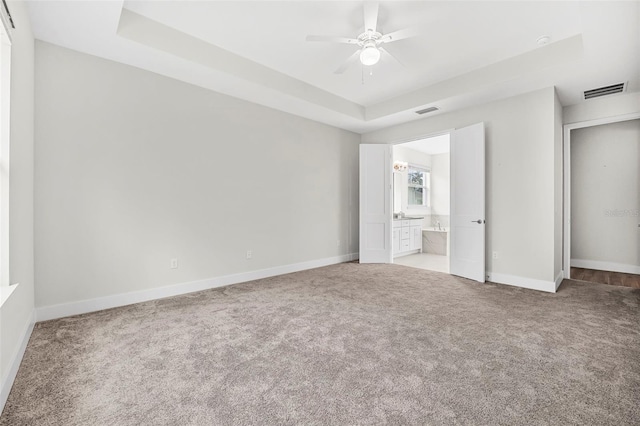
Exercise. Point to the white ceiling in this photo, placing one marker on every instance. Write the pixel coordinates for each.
(469, 52)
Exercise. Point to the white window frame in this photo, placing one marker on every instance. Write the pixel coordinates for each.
(426, 186)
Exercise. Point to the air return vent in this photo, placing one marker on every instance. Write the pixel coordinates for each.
(604, 91)
(426, 110)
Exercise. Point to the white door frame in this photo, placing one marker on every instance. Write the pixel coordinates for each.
(418, 138)
(567, 128)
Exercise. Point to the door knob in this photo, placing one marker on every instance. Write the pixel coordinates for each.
(479, 221)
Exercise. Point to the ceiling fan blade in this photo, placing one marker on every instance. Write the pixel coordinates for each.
(370, 15)
(386, 52)
(332, 39)
(400, 35)
(351, 59)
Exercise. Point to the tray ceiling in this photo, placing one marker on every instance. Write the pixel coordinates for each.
(467, 52)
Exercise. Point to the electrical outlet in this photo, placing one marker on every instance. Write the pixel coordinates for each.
(495, 254)
(249, 254)
(174, 263)
(338, 243)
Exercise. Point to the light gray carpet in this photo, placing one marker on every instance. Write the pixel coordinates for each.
(345, 344)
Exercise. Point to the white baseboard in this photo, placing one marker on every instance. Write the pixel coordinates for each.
(559, 279)
(7, 381)
(84, 306)
(533, 284)
(605, 266)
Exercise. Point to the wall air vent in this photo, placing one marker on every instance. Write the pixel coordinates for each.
(426, 110)
(604, 91)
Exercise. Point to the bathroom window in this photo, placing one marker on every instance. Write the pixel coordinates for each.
(419, 180)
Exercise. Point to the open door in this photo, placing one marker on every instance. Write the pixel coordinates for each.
(467, 203)
(375, 203)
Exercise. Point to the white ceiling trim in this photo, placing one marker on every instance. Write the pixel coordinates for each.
(212, 47)
(155, 35)
(553, 55)
(150, 33)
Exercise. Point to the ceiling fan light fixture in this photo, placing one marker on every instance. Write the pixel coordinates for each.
(370, 43)
(370, 55)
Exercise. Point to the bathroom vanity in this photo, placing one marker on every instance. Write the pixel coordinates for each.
(407, 236)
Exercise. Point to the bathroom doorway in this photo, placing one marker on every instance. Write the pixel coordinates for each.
(421, 203)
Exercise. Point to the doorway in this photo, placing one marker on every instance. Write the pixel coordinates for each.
(602, 201)
(421, 203)
(467, 204)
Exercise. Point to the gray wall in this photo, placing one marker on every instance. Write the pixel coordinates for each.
(520, 159)
(17, 313)
(133, 169)
(605, 195)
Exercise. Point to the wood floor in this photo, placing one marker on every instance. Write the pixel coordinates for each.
(606, 277)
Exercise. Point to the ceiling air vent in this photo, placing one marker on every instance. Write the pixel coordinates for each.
(604, 91)
(426, 110)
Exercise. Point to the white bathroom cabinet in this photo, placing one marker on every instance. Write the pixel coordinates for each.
(407, 236)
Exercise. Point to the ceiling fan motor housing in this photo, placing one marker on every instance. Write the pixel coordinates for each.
(369, 41)
(369, 38)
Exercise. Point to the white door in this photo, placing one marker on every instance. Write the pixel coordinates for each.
(375, 203)
(467, 203)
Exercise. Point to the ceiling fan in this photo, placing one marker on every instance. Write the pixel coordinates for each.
(370, 41)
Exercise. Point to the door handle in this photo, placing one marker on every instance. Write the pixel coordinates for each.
(479, 221)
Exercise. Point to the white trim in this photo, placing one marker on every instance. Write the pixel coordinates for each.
(559, 279)
(7, 381)
(90, 305)
(604, 120)
(5, 292)
(530, 283)
(566, 202)
(566, 259)
(605, 266)
(419, 138)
